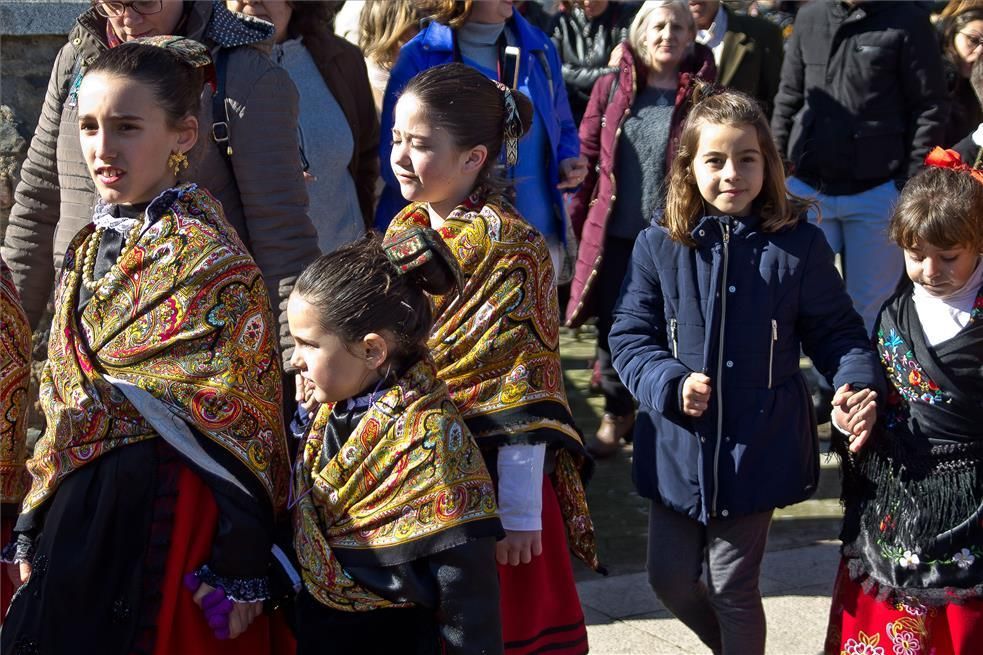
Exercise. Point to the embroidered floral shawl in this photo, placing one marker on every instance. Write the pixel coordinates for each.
(15, 361)
(913, 526)
(496, 344)
(408, 482)
(184, 315)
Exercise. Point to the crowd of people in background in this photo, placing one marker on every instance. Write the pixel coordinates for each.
(302, 269)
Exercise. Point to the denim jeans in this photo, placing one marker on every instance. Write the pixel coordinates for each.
(856, 227)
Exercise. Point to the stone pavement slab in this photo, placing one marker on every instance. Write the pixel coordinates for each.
(625, 617)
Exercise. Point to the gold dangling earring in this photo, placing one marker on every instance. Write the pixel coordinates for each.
(176, 162)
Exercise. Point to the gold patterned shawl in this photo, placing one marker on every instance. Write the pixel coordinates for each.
(408, 482)
(15, 367)
(185, 316)
(496, 345)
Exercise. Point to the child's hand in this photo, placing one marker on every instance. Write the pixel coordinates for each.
(519, 547)
(696, 394)
(304, 394)
(227, 618)
(18, 573)
(855, 413)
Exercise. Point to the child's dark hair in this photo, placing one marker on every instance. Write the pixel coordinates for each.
(684, 204)
(358, 289)
(471, 108)
(176, 82)
(942, 207)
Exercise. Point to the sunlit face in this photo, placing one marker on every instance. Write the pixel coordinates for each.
(940, 271)
(729, 168)
(277, 12)
(667, 37)
(339, 370)
(490, 11)
(426, 162)
(126, 138)
(132, 25)
(704, 12)
(968, 43)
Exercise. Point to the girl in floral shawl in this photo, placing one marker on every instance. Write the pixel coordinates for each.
(496, 343)
(911, 578)
(155, 485)
(394, 525)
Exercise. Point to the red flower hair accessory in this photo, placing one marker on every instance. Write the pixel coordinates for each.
(950, 159)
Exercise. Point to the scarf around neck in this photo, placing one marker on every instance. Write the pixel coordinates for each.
(496, 345)
(15, 368)
(185, 316)
(407, 483)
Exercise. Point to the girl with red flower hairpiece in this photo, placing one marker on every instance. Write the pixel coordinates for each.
(911, 575)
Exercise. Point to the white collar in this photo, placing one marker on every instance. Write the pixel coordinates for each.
(714, 35)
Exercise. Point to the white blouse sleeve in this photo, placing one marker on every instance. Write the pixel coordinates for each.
(520, 486)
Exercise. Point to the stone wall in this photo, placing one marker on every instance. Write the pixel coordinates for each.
(31, 33)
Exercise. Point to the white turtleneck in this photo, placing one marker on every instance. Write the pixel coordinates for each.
(942, 317)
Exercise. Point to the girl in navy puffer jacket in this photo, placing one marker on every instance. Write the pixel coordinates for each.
(717, 303)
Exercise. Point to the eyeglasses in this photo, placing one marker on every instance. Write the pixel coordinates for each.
(974, 39)
(142, 7)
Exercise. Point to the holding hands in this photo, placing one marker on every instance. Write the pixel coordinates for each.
(854, 414)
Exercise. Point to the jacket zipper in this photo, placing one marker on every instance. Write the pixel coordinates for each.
(771, 351)
(614, 192)
(673, 332)
(720, 369)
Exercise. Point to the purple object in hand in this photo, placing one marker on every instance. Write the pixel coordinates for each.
(215, 605)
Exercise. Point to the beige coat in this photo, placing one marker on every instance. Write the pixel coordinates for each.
(263, 191)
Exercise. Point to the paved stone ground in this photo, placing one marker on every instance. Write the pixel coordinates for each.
(625, 617)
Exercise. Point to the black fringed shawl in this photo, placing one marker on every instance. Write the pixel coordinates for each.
(914, 497)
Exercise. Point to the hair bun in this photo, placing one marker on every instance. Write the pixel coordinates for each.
(421, 255)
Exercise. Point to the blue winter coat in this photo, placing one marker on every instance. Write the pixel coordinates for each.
(771, 293)
(434, 46)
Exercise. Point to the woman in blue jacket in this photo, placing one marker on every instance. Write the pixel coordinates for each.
(477, 34)
(716, 305)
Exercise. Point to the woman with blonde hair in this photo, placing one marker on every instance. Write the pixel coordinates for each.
(383, 29)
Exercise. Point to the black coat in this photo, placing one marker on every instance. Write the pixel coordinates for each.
(738, 311)
(862, 98)
(585, 47)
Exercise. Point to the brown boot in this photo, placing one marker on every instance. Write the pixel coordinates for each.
(613, 429)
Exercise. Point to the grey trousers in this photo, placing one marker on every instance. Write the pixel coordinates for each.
(725, 612)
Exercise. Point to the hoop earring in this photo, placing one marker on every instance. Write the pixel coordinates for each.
(176, 162)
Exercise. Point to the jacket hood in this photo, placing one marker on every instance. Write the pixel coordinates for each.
(208, 22)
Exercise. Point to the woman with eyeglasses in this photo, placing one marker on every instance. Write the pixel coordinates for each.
(962, 43)
(247, 157)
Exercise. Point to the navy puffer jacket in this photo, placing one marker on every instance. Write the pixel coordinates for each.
(737, 309)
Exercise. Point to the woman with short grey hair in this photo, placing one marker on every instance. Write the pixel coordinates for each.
(628, 135)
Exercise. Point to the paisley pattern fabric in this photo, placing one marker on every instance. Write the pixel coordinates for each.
(496, 345)
(15, 362)
(183, 314)
(408, 482)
